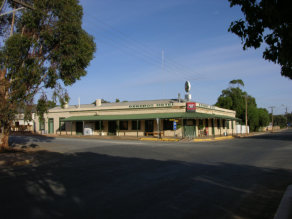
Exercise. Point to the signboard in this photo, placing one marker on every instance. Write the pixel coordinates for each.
(174, 125)
(151, 105)
(191, 106)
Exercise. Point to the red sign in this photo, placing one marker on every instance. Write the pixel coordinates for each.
(191, 106)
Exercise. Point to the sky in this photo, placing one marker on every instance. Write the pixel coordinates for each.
(147, 49)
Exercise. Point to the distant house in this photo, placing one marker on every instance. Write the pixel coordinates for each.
(21, 124)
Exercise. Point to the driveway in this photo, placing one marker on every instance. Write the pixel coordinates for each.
(90, 178)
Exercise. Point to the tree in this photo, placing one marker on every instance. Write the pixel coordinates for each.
(47, 49)
(270, 22)
(280, 120)
(234, 98)
(43, 106)
(237, 82)
(264, 118)
(117, 100)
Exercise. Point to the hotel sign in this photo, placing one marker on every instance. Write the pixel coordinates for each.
(191, 106)
(139, 106)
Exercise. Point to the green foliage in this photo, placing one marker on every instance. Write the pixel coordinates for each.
(267, 22)
(43, 106)
(253, 118)
(280, 120)
(49, 49)
(238, 82)
(289, 117)
(234, 99)
(117, 100)
(104, 101)
(264, 118)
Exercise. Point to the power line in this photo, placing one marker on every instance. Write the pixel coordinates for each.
(134, 51)
(141, 50)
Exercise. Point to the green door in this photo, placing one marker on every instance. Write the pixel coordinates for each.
(51, 126)
(190, 131)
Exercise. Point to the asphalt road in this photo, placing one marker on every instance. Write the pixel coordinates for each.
(90, 178)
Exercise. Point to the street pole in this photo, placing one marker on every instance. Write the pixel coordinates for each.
(286, 114)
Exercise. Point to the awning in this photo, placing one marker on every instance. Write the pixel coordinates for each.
(185, 115)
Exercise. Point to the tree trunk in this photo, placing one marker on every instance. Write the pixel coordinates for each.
(4, 146)
(5, 127)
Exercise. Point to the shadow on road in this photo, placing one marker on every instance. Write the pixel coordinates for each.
(90, 185)
(285, 135)
(27, 141)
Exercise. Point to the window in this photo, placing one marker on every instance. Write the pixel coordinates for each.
(98, 124)
(167, 125)
(134, 125)
(62, 124)
(42, 125)
(123, 125)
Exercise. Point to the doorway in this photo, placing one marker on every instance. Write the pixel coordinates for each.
(51, 126)
(79, 128)
(112, 127)
(190, 128)
(149, 126)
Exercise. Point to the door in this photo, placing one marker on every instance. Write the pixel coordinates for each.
(189, 131)
(51, 126)
(79, 128)
(149, 126)
(112, 127)
(190, 128)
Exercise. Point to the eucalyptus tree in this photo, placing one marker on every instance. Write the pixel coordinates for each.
(47, 48)
(266, 22)
(234, 98)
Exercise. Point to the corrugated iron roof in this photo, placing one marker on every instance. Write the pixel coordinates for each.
(187, 115)
(125, 103)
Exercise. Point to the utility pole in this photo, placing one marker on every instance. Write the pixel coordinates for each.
(286, 114)
(272, 110)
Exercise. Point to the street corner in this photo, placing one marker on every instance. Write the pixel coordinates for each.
(160, 139)
(213, 139)
(149, 139)
(223, 138)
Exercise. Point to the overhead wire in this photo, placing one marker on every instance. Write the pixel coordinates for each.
(175, 68)
(141, 46)
(121, 39)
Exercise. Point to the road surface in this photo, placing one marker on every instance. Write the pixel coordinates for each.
(93, 178)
